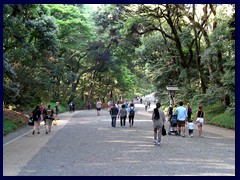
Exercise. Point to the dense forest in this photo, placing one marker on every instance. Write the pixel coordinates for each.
(63, 52)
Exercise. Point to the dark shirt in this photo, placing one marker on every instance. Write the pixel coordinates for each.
(200, 114)
(36, 114)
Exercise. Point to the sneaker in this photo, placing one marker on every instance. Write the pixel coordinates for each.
(38, 132)
(183, 136)
(46, 132)
(155, 142)
(158, 143)
(33, 132)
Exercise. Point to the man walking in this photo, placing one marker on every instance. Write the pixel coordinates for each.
(114, 112)
(181, 118)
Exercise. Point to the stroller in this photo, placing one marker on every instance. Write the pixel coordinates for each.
(173, 125)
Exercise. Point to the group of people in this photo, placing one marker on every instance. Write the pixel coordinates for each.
(122, 114)
(119, 112)
(46, 114)
(183, 116)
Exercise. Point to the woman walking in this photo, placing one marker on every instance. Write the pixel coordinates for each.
(200, 119)
(158, 119)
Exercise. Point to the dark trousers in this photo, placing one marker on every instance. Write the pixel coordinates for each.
(190, 131)
(123, 120)
(131, 118)
(114, 121)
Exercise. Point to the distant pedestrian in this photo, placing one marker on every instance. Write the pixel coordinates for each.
(158, 122)
(114, 112)
(57, 110)
(170, 112)
(149, 104)
(189, 111)
(181, 118)
(49, 117)
(109, 105)
(123, 115)
(41, 107)
(146, 104)
(89, 106)
(98, 106)
(131, 114)
(190, 128)
(200, 119)
(126, 104)
(71, 107)
(36, 114)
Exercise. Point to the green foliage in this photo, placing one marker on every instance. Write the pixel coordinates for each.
(71, 53)
(217, 114)
(10, 126)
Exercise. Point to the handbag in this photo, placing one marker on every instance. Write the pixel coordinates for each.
(164, 133)
(55, 122)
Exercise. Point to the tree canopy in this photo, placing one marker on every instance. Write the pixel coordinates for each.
(65, 52)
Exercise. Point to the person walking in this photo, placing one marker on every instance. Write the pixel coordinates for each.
(57, 110)
(114, 112)
(200, 119)
(131, 114)
(189, 111)
(170, 112)
(190, 128)
(48, 116)
(181, 118)
(158, 119)
(123, 115)
(36, 114)
(126, 104)
(98, 106)
(146, 104)
(109, 105)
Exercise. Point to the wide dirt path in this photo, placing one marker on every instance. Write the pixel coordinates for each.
(84, 144)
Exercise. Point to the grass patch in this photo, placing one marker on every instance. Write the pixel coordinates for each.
(226, 120)
(11, 126)
(217, 114)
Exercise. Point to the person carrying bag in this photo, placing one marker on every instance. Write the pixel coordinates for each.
(158, 119)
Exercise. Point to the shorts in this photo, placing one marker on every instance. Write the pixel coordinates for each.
(200, 121)
(180, 123)
(98, 109)
(49, 122)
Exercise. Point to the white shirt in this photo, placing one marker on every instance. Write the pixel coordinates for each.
(99, 104)
(190, 125)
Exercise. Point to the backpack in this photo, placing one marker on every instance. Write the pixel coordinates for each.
(48, 114)
(131, 112)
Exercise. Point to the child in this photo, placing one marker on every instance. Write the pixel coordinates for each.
(190, 128)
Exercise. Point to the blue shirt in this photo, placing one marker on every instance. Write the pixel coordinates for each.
(182, 113)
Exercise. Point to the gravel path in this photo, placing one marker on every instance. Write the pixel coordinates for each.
(84, 144)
